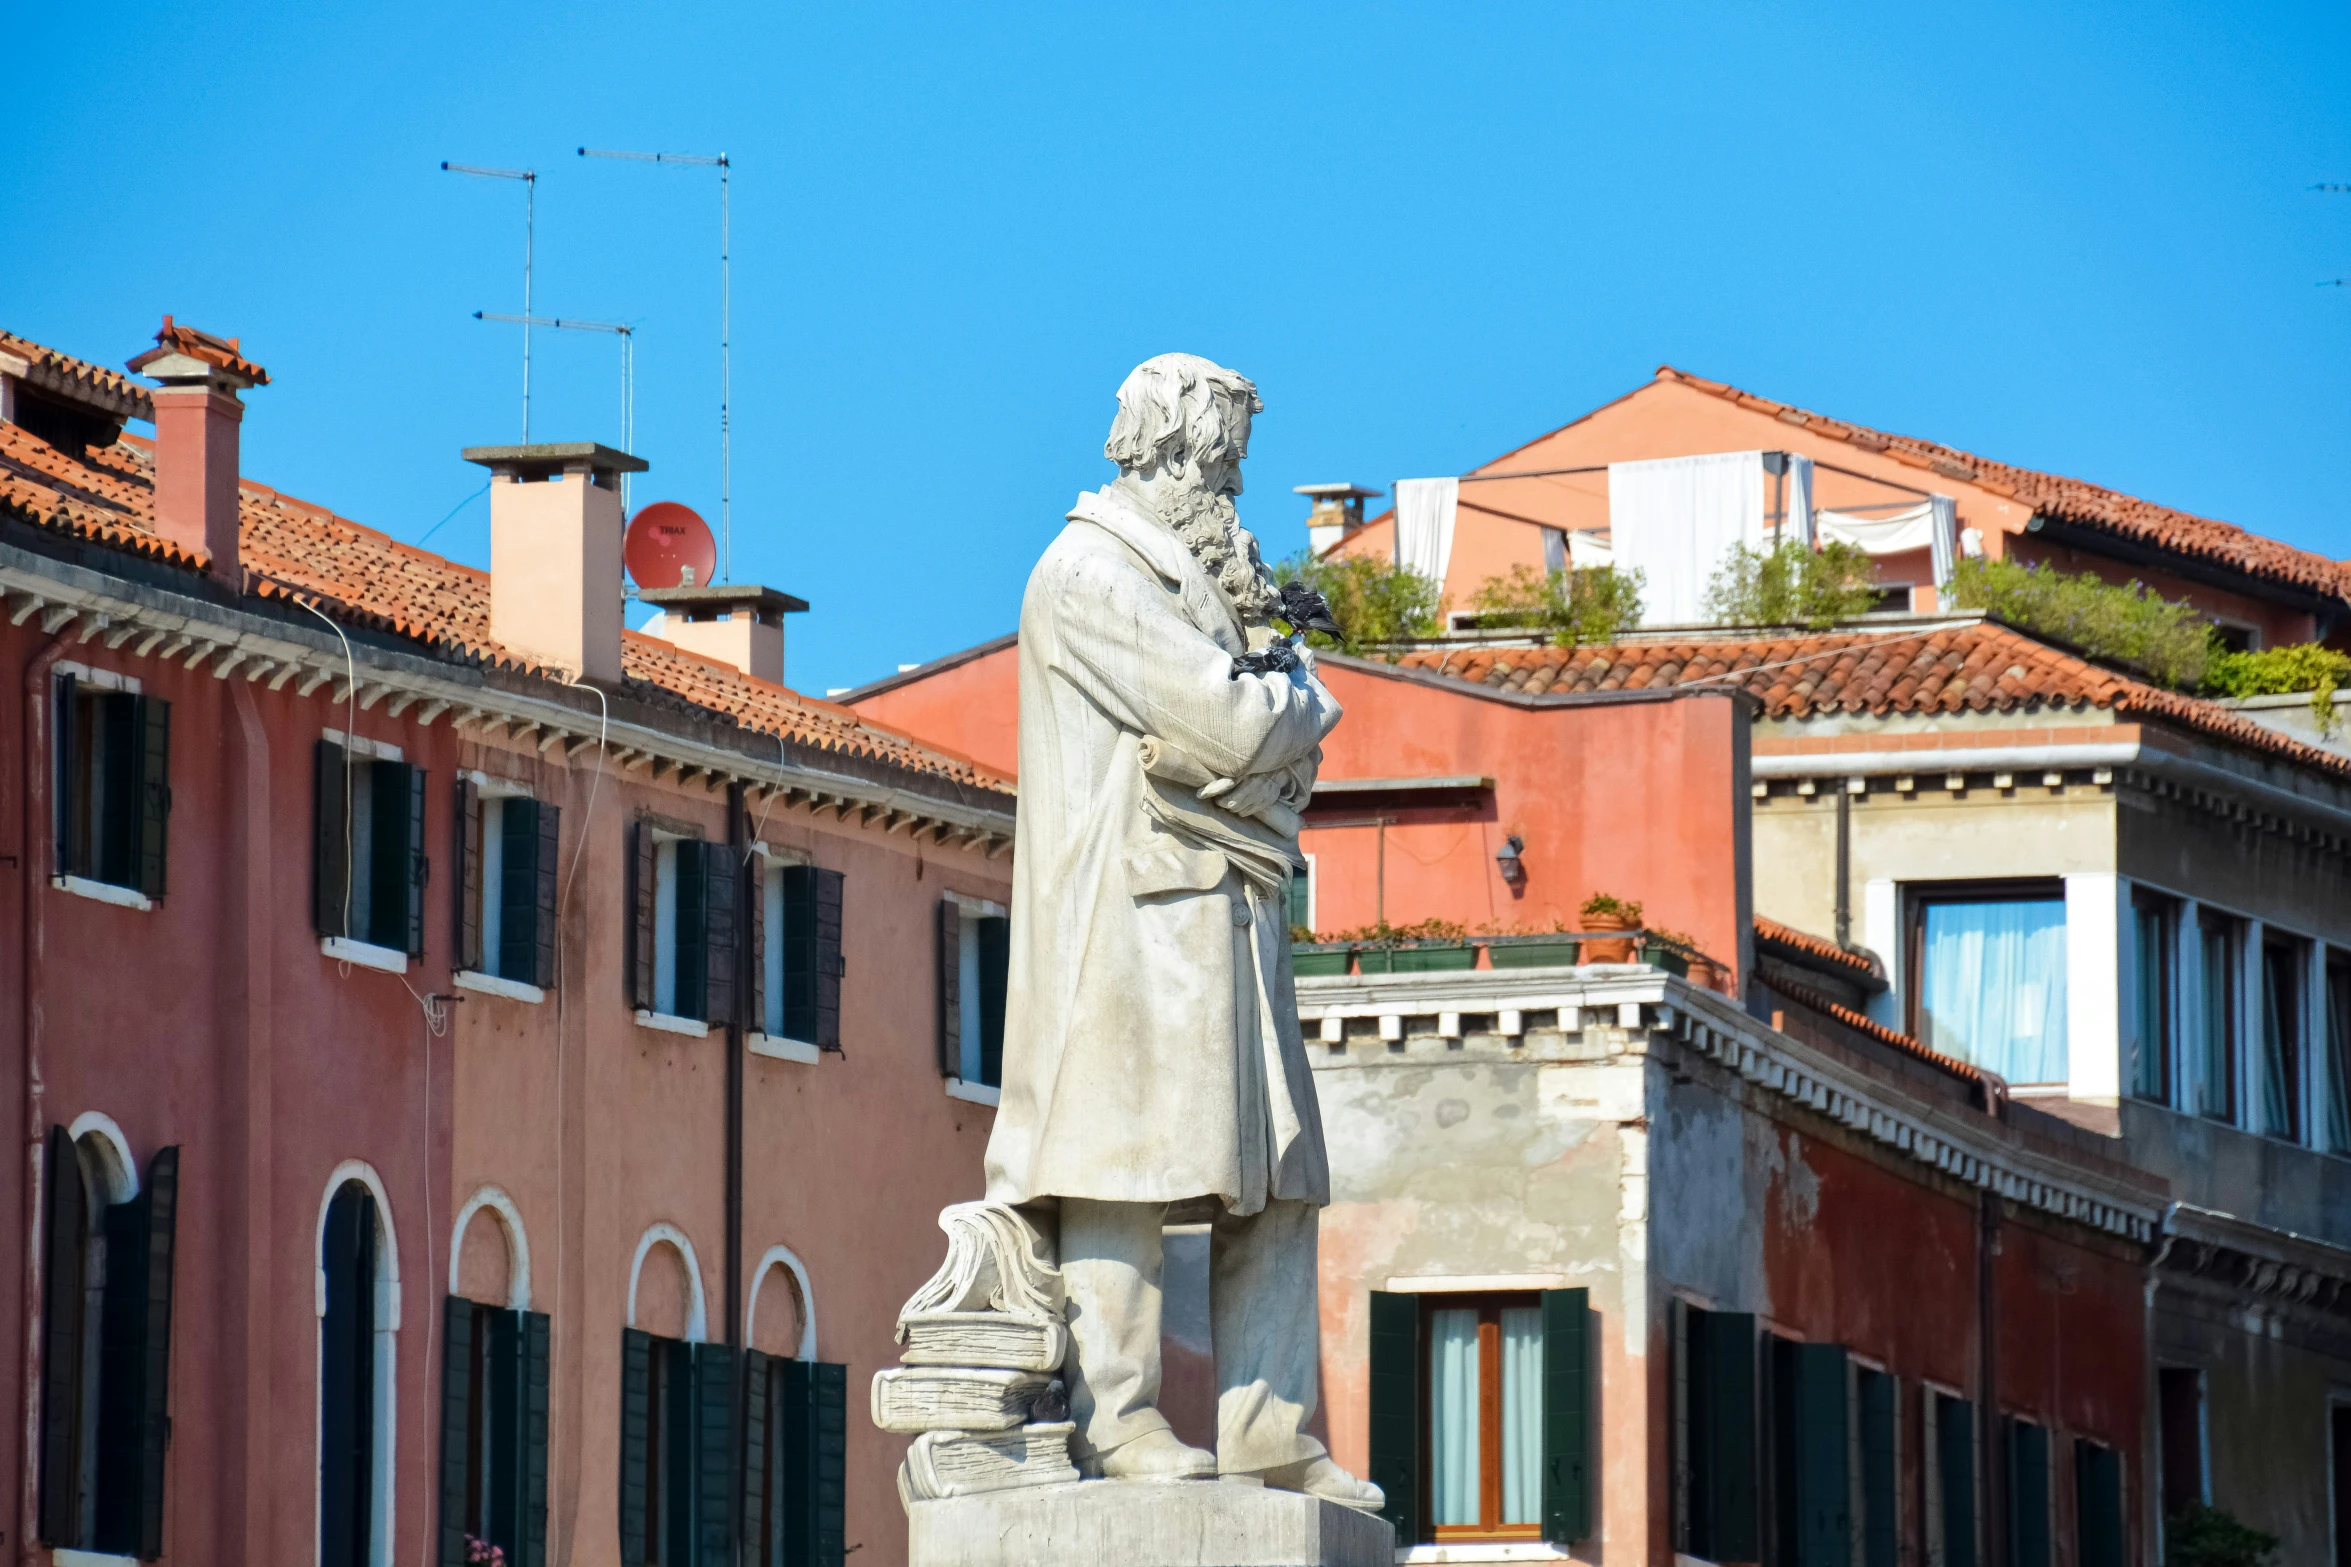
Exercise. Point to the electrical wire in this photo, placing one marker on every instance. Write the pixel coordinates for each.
(350, 733)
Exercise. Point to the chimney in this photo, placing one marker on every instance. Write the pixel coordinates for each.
(1338, 511)
(555, 532)
(197, 413)
(735, 624)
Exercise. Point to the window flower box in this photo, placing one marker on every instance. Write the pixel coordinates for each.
(1319, 957)
(1533, 952)
(1417, 957)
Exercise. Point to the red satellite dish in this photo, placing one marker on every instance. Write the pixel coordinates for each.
(669, 546)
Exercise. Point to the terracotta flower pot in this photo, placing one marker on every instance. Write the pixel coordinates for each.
(1605, 950)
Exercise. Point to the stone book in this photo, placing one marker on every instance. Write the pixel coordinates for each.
(966, 1463)
(954, 1398)
(1005, 1340)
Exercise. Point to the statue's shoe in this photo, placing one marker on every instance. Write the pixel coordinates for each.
(1159, 1456)
(1321, 1477)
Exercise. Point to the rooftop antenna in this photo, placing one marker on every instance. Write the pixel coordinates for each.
(628, 372)
(530, 222)
(726, 525)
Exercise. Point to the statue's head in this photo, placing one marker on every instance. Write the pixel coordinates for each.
(1184, 419)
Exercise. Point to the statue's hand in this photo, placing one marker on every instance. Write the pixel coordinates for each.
(1244, 796)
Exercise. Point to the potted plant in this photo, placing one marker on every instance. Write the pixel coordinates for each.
(1554, 948)
(1676, 953)
(1309, 956)
(1429, 947)
(1601, 911)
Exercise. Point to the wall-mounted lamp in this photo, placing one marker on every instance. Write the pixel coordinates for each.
(1508, 859)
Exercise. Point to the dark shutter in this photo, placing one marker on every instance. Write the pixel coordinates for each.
(2028, 1493)
(995, 933)
(456, 1424)
(1567, 1413)
(518, 900)
(690, 919)
(1955, 1473)
(384, 922)
(636, 1428)
(642, 879)
(1880, 1541)
(330, 861)
(546, 889)
(674, 1471)
(755, 939)
(346, 1422)
(537, 1336)
(154, 794)
(714, 1453)
(1824, 1484)
(950, 950)
(161, 1198)
(2097, 1484)
(120, 740)
(1724, 1521)
(69, 804)
(465, 846)
(722, 902)
(65, 1223)
(503, 1485)
(415, 867)
(812, 956)
(758, 1370)
(830, 966)
(1395, 1410)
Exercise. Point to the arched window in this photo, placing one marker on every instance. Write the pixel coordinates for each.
(105, 1340)
(677, 1411)
(795, 1411)
(494, 1385)
(359, 1314)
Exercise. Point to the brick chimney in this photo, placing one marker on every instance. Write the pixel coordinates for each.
(735, 624)
(1338, 511)
(555, 535)
(197, 413)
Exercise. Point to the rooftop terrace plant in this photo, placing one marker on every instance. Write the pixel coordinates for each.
(1573, 607)
(2276, 671)
(2127, 623)
(1793, 585)
(1373, 600)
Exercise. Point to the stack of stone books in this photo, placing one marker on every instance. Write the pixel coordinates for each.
(982, 1340)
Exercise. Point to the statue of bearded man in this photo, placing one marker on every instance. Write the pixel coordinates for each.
(1151, 1046)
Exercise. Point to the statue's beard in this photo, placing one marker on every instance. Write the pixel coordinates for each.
(1211, 529)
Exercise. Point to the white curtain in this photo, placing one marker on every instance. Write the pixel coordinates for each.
(1675, 519)
(1453, 1416)
(2338, 1062)
(1945, 543)
(1424, 525)
(2280, 1029)
(1554, 550)
(1797, 527)
(1522, 1414)
(1883, 533)
(1586, 550)
(1994, 993)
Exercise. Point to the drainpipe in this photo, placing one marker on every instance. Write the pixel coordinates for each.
(739, 840)
(1844, 866)
(35, 853)
(1994, 1552)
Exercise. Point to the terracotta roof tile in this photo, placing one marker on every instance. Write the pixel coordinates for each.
(1975, 666)
(77, 378)
(2070, 500)
(1860, 965)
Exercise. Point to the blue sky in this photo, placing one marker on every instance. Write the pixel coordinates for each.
(2071, 236)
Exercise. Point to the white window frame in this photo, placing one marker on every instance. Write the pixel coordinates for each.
(83, 886)
(383, 1525)
(967, 990)
(362, 954)
(776, 1046)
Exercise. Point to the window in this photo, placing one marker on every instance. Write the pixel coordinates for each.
(105, 1346)
(794, 1470)
(2180, 1431)
(1991, 979)
(2219, 941)
(508, 861)
(676, 1448)
(1812, 1487)
(685, 894)
(2154, 924)
(975, 966)
(494, 1365)
(1875, 1398)
(1299, 891)
(796, 930)
(1950, 1480)
(1479, 1415)
(368, 861)
(2028, 1494)
(2098, 1520)
(2279, 1083)
(353, 1383)
(2335, 1079)
(113, 784)
(1714, 1437)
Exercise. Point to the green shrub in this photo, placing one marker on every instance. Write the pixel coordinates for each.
(2306, 666)
(1575, 607)
(2200, 1536)
(1372, 600)
(1793, 586)
(1604, 903)
(1385, 935)
(2124, 623)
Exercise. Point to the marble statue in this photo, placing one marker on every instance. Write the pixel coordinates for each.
(1152, 1055)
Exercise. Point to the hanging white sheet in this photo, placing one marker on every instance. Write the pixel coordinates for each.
(1587, 548)
(1424, 525)
(1796, 528)
(1883, 533)
(1675, 519)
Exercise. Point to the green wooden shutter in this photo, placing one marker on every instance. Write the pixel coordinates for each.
(537, 1385)
(415, 868)
(1725, 1521)
(65, 1222)
(1298, 896)
(330, 846)
(122, 1344)
(830, 963)
(517, 848)
(457, 1326)
(2098, 1521)
(636, 1430)
(1395, 1435)
(154, 795)
(722, 904)
(715, 1458)
(643, 877)
(2028, 1493)
(756, 936)
(1824, 1483)
(161, 1196)
(390, 857)
(1955, 1470)
(689, 920)
(69, 806)
(546, 887)
(758, 1369)
(815, 1428)
(1880, 1540)
(508, 1449)
(949, 950)
(465, 846)
(119, 741)
(1567, 1416)
(812, 956)
(995, 933)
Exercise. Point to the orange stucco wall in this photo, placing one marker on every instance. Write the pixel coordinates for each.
(971, 708)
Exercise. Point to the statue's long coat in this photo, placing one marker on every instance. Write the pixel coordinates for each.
(1137, 1064)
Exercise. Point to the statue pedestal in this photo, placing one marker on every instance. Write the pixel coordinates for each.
(1146, 1523)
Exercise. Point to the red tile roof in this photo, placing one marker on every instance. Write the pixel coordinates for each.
(224, 352)
(1975, 666)
(2068, 500)
(292, 549)
(1857, 965)
(77, 379)
(1868, 1027)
